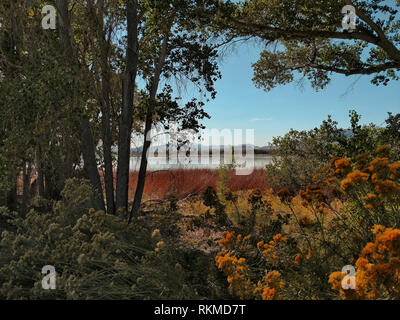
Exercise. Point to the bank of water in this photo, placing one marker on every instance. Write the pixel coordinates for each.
(163, 163)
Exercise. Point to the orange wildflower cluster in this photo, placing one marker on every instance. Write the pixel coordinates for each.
(230, 241)
(377, 268)
(238, 273)
(229, 263)
(352, 179)
(306, 220)
(394, 169)
(386, 188)
(372, 201)
(378, 165)
(341, 166)
(268, 288)
(384, 177)
(313, 193)
(240, 283)
(335, 279)
(298, 258)
(269, 250)
(309, 254)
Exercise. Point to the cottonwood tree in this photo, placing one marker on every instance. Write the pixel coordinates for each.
(79, 67)
(306, 36)
(173, 47)
(157, 45)
(94, 45)
(38, 130)
(99, 28)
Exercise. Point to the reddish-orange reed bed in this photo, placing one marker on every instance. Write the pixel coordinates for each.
(181, 183)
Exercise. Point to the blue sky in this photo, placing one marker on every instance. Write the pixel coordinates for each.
(240, 105)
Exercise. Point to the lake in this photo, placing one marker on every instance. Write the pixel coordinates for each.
(162, 163)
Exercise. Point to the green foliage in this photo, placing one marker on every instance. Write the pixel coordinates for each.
(38, 124)
(391, 135)
(299, 154)
(96, 256)
(222, 184)
(306, 38)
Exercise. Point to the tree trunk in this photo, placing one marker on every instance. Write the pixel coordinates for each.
(107, 143)
(12, 198)
(87, 141)
(26, 183)
(143, 167)
(104, 46)
(126, 116)
(90, 163)
(40, 175)
(149, 121)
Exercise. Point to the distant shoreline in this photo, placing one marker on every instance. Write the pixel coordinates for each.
(269, 152)
(163, 162)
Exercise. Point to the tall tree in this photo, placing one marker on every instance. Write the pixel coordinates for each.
(173, 47)
(38, 130)
(87, 141)
(126, 115)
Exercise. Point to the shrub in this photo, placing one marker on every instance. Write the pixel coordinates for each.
(246, 282)
(97, 256)
(377, 268)
(323, 228)
(299, 154)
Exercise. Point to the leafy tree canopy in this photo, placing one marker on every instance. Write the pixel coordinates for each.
(307, 37)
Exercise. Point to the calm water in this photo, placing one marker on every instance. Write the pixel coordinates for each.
(161, 163)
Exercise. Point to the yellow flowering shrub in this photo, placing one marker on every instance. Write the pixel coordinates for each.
(242, 279)
(377, 268)
(370, 188)
(269, 250)
(320, 228)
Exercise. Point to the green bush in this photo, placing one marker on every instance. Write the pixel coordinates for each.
(96, 256)
(299, 154)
